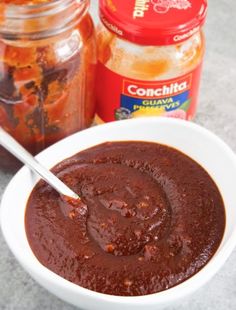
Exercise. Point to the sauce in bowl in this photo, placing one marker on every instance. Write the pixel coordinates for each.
(151, 218)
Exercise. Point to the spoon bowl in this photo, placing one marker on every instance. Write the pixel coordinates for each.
(198, 143)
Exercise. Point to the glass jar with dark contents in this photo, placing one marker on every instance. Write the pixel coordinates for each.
(47, 66)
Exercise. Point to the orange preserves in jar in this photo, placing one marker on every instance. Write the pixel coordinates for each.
(47, 71)
(150, 55)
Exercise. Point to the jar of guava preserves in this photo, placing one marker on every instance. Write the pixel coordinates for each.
(47, 71)
(150, 55)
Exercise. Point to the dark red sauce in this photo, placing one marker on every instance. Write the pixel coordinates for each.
(151, 218)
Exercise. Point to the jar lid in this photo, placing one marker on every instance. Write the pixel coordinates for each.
(153, 22)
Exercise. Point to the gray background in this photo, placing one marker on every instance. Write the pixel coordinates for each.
(217, 112)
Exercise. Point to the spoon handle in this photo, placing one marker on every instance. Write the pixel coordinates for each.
(9, 143)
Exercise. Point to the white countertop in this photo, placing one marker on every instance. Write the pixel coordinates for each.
(217, 112)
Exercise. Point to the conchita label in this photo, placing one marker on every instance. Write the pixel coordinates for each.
(159, 6)
(119, 97)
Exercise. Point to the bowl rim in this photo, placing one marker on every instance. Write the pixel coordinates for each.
(170, 295)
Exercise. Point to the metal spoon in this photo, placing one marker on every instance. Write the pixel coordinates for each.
(9, 143)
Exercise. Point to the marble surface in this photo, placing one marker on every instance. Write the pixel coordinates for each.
(217, 112)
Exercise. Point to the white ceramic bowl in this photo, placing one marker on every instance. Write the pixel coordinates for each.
(200, 144)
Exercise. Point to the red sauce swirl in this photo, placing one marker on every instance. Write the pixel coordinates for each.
(151, 218)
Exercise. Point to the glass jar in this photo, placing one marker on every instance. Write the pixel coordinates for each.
(47, 71)
(150, 57)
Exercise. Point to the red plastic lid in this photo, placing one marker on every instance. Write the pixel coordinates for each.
(153, 22)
